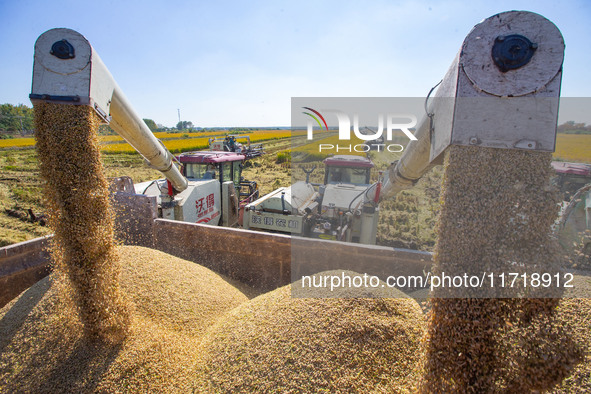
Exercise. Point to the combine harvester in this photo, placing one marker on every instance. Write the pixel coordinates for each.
(501, 91)
(574, 226)
(346, 206)
(338, 210)
(230, 144)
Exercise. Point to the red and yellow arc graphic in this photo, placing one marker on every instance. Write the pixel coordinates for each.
(315, 118)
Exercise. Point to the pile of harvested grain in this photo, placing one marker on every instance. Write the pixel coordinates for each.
(176, 301)
(277, 342)
(175, 293)
(496, 216)
(77, 198)
(576, 312)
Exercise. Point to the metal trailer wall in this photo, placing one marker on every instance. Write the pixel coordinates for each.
(21, 265)
(264, 260)
(260, 260)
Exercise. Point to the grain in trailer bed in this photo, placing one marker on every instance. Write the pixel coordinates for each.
(43, 349)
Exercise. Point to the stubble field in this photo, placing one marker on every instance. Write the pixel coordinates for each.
(405, 221)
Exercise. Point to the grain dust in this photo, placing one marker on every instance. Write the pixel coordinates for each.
(576, 313)
(165, 324)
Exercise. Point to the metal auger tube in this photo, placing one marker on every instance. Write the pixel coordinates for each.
(501, 91)
(67, 70)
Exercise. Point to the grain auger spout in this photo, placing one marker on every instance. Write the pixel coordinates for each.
(501, 91)
(67, 70)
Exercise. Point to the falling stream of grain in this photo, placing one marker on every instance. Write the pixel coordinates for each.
(497, 213)
(77, 198)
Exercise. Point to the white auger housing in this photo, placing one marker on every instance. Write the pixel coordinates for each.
(501, 91)
(68, 70)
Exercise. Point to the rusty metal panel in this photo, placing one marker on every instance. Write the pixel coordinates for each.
(21, 266)
(266, 261)
(311, 256)
(261, 260)
(258, 259)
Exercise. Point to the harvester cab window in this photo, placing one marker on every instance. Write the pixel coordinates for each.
(356, 176)
(193, 170)
(227, 171)
(359, 176)
(210, 172)
(200, 171)
(237, 166)
(335, 175)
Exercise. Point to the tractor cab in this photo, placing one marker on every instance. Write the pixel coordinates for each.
(223, 166)
(349, 169)
(570, 177)
(346, 179)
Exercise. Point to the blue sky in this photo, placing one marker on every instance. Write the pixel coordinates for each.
(238, 63)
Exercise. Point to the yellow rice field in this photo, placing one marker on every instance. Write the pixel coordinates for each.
(573, 147)
(17, 142)
(163, 135)
(569, 147)
(175, 142)
(199, 143)
(29, 142)
(177, 145)
(312, 150)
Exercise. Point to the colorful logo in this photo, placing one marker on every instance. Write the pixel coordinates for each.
(315, 118)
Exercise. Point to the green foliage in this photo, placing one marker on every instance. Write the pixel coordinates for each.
(184, 125)
(571, 127)
(151, 124)
(576, 132)
(104, 129)
(284, 156)
(16, 118)
(240, 130)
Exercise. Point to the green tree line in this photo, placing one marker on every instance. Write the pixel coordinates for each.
(16, 118)
(571, 127)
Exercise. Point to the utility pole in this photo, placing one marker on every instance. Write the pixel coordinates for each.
(179, 111)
